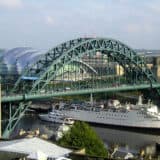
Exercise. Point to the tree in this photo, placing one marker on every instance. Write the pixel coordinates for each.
(81, 135)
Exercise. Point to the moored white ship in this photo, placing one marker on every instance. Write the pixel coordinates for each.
(56, 117)
(128, 115)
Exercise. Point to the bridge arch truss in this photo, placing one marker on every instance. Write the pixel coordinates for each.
(56, 59)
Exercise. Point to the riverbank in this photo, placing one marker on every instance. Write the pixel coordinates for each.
(126, 140)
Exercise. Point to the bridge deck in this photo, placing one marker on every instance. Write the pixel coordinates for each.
(52, 94)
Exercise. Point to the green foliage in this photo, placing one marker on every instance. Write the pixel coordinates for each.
(81, 135)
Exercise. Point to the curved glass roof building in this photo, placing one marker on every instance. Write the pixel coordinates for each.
(13, 61)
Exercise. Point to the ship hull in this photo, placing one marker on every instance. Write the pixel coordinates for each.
(147, 130)
(129, 119)
(45, 117)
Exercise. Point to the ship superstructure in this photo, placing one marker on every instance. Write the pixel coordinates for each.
(127, 115)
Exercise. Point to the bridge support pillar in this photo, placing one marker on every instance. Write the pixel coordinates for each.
(14, 117)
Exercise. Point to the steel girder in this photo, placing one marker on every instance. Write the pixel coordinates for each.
(14, 118)
(47, 68)
(84, 66)
(46, 60)
(90, 46)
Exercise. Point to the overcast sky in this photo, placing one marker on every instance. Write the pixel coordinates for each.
(42, 24)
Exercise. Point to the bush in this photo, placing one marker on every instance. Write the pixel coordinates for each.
(81, 135)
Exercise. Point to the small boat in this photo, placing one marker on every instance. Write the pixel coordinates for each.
(57, 117)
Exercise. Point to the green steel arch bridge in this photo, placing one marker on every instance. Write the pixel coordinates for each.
(79, 66)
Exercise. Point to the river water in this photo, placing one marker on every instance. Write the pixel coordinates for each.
(128, 140)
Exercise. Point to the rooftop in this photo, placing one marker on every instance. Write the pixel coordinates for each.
(33, 146)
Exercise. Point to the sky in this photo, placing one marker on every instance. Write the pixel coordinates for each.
(43, 24)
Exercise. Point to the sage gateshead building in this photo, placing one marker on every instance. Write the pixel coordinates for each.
(14, 61)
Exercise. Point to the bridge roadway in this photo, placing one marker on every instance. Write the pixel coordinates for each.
(51, 94)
